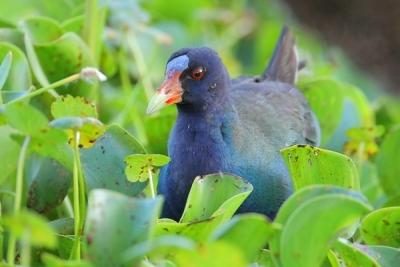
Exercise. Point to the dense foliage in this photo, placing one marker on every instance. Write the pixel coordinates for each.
(79, 158)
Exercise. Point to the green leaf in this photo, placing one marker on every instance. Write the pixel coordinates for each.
(211, 255)
(115, 222)
(41, 29)
(387, 170)
(42, 174)
(326, 99)
(311, 165)
(53, 143)
(53, 261)
(69, 106)
(5, 69)
(199, 231)
(214, 194)
(139, 165)
(8, 153)
(25, 118)
(163, 245)
(248, 232)
(103, 164)
(19, 76)
(353, 256)
(63, 57)
(90, 129)
(385, 256)
(301, 197)
(40, 233)
(304, 242)
(382, 227)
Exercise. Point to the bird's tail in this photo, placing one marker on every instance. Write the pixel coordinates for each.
(284, 63)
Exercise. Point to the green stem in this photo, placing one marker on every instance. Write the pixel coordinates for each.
(42, 90)
(25, 250)
(90, 27)
(153, 193)
(82, 186)
(76, 249)
(18, 195)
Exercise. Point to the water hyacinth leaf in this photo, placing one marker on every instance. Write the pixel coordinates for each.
(5, 69)
(90, 129)
(8, 153)
(330, 215)
(19, 76)
(103, 163)
(53, 261)
(69, 106)
(42, 174)
(382, 227)
(41, 29)
(26, 118)
(40, 233)
(248, 232)
(214, 194)
(311, 165)
(385, 256)
(63, 57)
(115, 222)
(211, 255)
(162, 245)
(353, 256)
(53, 143)
(139, 165)
(302, 196)
(388, 172)
(198, 231)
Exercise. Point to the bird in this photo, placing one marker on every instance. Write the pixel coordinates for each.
(235, 126)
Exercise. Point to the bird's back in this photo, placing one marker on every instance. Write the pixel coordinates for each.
(269, 116)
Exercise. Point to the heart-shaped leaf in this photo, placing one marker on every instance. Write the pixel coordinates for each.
(139, 165)
(69, 106)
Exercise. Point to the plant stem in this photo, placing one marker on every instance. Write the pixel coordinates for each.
(25, 250)
(90, 27)
(42, 90)
(76, 249)
(19, 184)
(82, 186)
(153, 193)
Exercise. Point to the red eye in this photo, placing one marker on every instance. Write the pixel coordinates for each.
(198, 73)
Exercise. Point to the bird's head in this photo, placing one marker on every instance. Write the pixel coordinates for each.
(194, 77)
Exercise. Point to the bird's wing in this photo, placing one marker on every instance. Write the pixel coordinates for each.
(275, 112)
